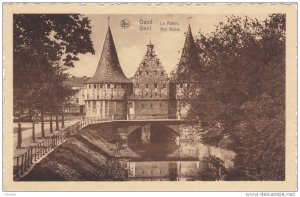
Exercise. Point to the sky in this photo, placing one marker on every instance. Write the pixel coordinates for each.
(131, 42)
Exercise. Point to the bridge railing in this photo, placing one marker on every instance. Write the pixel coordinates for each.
(24, 162)
(85, 121)
(93, 120)
(151, 116)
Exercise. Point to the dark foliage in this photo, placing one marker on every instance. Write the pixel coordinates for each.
(241, 75)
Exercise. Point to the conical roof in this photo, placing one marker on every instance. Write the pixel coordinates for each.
(109, 69)
(189, 59)
(189, 51)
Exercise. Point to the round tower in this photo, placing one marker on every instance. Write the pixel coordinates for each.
(106, 92)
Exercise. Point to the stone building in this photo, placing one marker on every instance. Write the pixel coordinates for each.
(149, 94)
(189, 59)
(76, 104)
(151, 89)
(107, 91)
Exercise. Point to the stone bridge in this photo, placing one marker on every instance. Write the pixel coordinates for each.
(122, 129)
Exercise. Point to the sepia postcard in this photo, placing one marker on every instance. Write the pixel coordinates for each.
(150, 97)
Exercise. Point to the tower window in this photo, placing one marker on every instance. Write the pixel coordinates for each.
(155, 85)
(147, 85)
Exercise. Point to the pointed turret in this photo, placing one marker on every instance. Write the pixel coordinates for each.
(109, 69)
(189, 51)
(189, 59)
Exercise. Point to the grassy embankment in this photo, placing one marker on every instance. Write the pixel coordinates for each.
(85, 156)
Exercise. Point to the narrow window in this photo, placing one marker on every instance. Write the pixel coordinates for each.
(137, 85)
(155, 85)
(162, 72)
(95, 86)
(108, 85)
(146, 85)
(181, 85)
(151, 105)
(142, 105)
(164, 85)
(89, 86)
(101, 85)
(146, 72)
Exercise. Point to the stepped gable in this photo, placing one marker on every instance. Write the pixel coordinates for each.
(109, 69)
(150, 61)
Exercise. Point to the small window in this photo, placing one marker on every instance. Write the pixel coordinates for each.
(142, 105)
(89, 86)
(147, 73)
(181, 85)
(155, 85)
(151, 105)
(147, 85)
(77, 100)
(122, 86)
(162, 72)
(95, 86)
(146, 93)
(101, 85)
(137, 85)
(164, 85)
(160, 104)
(108, 85)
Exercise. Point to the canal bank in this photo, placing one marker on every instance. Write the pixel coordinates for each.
(89, 156)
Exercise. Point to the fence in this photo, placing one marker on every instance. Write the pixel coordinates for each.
(34, 153)
(93, 120)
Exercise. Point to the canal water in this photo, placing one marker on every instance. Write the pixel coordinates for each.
(166, 157)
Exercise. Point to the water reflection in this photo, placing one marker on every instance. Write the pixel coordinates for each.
(165, 157)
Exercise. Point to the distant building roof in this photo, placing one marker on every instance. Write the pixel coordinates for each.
(109, 69)
(77, 81)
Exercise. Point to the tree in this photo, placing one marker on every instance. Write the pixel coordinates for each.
(213, 169)
(241, 74)
(39, 41)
